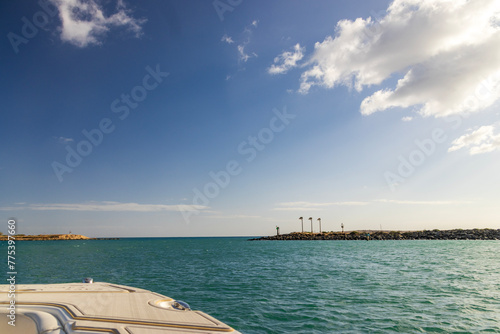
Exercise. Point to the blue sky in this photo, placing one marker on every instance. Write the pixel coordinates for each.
(201, 118)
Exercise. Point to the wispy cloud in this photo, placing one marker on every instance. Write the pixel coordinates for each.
(408, 202)
(84, 22)
(219, 216)
(407, 119)
(105, 206)
(443, 49)
(243, 42)
(482, 140)
(227, 39)
(287, 60)
(63, 140)
(311, 206)
(241, 53)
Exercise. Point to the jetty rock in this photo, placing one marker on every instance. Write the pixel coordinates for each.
(456, 234)
(47, 237)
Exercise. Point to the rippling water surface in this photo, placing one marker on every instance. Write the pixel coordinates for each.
(295, 286)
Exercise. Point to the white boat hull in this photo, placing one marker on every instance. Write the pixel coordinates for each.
(99, 308)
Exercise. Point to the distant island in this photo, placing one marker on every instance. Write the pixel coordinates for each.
(457, 234)
(53, 237)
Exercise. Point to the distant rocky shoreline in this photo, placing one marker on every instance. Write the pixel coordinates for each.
(457, 234)
(53, 237)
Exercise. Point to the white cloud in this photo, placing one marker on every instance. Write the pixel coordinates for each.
(407, 202)
(446, 52)
(242, 42)
(84, 22)
(407, 119)
(234, 217)
(311, 206)
(482, 140)
(227, 39)
(287, 60)
(241, 53)
(64, 140)
(106, 206)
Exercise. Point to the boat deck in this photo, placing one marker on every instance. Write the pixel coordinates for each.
(100, 308)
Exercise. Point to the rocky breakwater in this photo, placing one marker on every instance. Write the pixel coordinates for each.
(52, 237)
(457, 234)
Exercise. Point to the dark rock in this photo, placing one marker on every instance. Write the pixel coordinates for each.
(457, 234)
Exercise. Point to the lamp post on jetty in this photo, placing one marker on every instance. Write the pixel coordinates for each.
(311, 219)
(302, 220)
(319, 219)
(342, 226)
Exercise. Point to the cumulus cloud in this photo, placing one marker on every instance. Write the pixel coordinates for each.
(482, 140)
(85, 23)
(287, 60)
(106, 206)
(446, 53)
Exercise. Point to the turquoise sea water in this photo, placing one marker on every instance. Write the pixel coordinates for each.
(294, 286)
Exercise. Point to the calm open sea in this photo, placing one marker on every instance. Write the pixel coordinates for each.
(294, 286)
